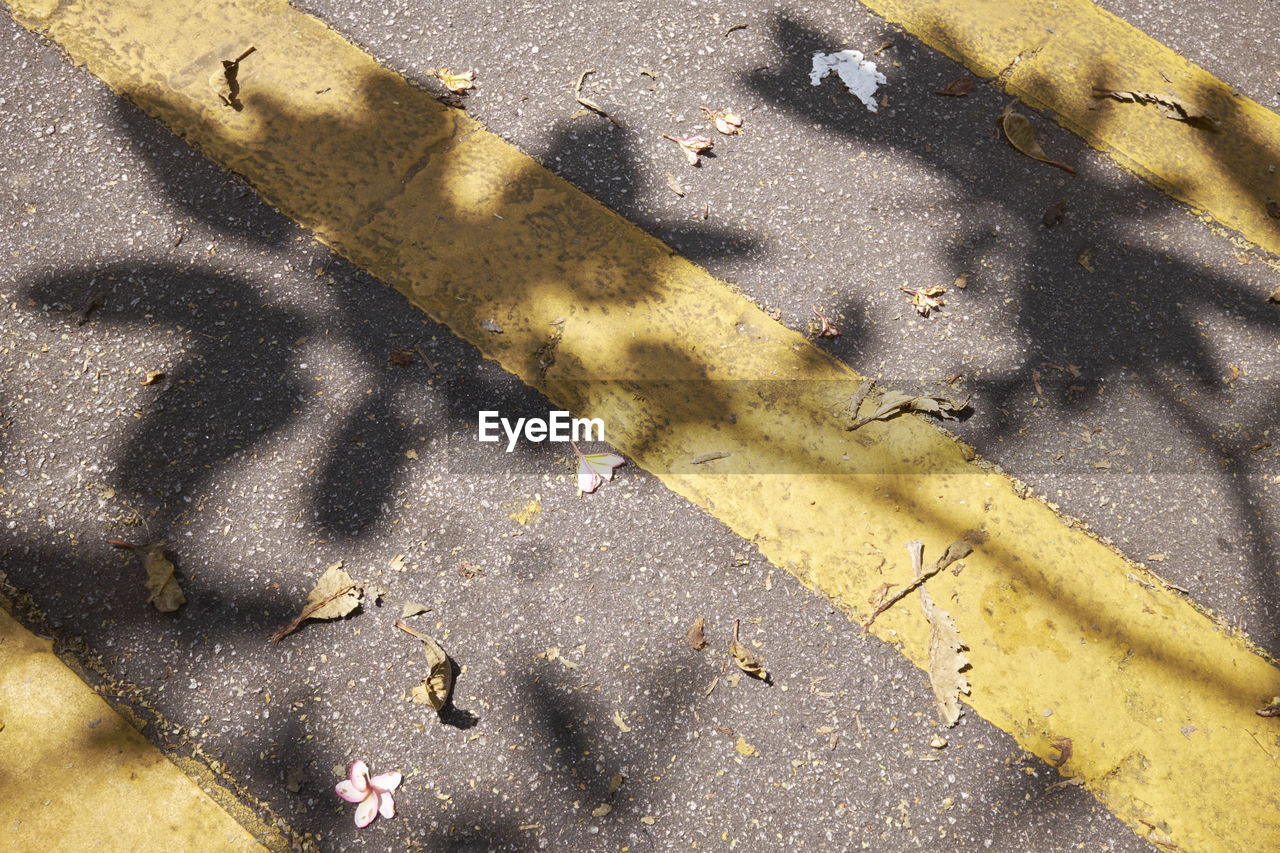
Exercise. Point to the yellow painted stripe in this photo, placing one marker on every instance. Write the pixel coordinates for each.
(1067, 638)
(1060, 49)
(75, 776)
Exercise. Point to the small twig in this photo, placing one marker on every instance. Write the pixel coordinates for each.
(306, 614)
(589, 104)
(404, 626)
(1260, 746)
(955, 551)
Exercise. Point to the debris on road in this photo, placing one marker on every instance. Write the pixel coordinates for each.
(590, 104)
(436, 687)
(692, 146)
(947, 660)
(696, 638)
(166, 595)
(955, 551)
(958, 87)
(746, 660)
(895, 403)
(595, 468)
(858, 74)
(456, 83)
(728, 123)
(1017, 129)
(826, 329)
(926, 299)
(335, 595)
(1172, 107)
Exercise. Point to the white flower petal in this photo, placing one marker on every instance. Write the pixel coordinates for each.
(386, 805)
(588, 480)
(387, 781)
(367, 810)
(350, 792)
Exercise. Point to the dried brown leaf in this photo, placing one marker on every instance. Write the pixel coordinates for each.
(926, 299)
(335, 595)
(400, 357)
(1017, 129)
(166, 596)
(1275, 296)
(1172, 107)
(436, 687)
(825, 328)
(456, 83)
(895, 403)
(151, 377)
(946, 649)
(696, 638)
(958, 87)
(745, 659)
(1064, 747)
(673, 183)
(413, 608)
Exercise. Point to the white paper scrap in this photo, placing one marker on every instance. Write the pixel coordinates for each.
(858, 74)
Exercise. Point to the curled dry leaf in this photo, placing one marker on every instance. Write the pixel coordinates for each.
(946, 649)
(692, 146)
(1271, 709)
(958, 87)
(335, 595)
(151, 377)
(745, 659)
(166, 595)
(673, 183)
(1064, 747)
(1017, 129)
(456, 83)
(895, 403)
(826, 328)
(436, 687)
(696, 638)
(1173, 108)
(726, 122)
(925, 300)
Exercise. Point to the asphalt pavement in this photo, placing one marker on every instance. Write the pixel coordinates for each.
(1121, 362)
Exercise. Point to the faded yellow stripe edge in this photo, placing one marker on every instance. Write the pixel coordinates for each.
(90, 759)
(627, 301)
(1051, 54)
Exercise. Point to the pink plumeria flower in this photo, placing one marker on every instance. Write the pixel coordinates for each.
(372, 793)
(595, 468)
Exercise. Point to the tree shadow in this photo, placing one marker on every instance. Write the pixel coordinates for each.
(1135, 319)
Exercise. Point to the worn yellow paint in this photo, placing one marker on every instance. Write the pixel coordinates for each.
(1051, 53)
(1067, 638)
(74, 775)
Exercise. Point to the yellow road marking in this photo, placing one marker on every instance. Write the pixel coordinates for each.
(1051, 53)
(1067, 638)
(76, 776)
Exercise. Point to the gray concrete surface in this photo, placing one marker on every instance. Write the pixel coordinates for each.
(280, 441)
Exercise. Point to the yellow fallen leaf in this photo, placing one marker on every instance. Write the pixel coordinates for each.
(745, 749)
(620, 722)
(601, 810)
(456, 82)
